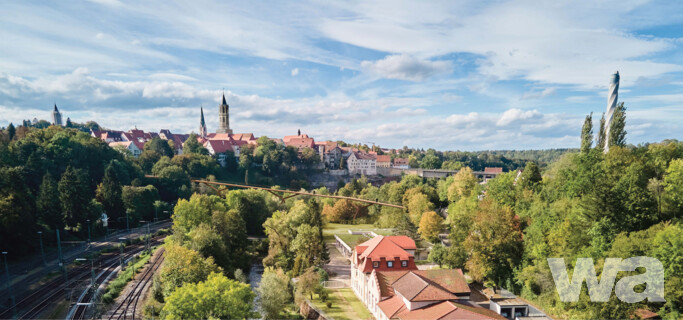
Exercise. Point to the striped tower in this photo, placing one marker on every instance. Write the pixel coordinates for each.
(611, 106)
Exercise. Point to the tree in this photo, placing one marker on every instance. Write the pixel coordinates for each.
(274, 293)
(11, 131)
(216, 298)
(307, 283)
(183, 265)
(495, 243)
(192, 146)
(417, 204)
(531, 176)
(74, 193)
(159, 146)
(140, 200)
(109, 193)
(601, 140)
(48, 204)
(307, 247)
(617, 130)
(587, 134)
(464, 184)
(430, 226)
(343, 210)
(673, 187)
(430, 161)
(438, 254)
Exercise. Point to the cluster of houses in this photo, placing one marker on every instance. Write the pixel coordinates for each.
(386, 279)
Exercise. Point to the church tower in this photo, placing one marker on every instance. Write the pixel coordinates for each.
(202, 124)
(224, 117)
(56, 117)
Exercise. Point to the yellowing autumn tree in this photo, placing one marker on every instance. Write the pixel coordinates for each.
(430, 226)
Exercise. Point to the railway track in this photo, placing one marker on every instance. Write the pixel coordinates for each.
(35, 303)
(128, 306)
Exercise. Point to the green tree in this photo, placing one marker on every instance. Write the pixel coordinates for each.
(600, 144)
(140, 200)
(417, 204)
(307, 247)
(430, 161)
(159, 146)
(307, 283)
(74, 193)
(464, 184)
(48, 204)
(495, 243)
(192, 146)
(11, 131)
(587, 134)
(109, 193)
(216, 298)
(182, 266)
(617, 130)
(531, 176)
(274, 293)
(673, 187)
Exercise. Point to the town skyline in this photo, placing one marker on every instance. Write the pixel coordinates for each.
(450, 81)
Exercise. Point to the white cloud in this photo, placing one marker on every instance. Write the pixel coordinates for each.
(538, 94)
(514, 115)
(405, 67)
(295, 72)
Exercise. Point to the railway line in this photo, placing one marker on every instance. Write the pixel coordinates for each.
(34, 304)
(127, 308)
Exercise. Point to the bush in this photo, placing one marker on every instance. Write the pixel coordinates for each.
(329, 304)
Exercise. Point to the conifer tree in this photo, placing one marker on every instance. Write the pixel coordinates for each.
(617, 130)
(47, 203)
(11, 131)
(601, 134)
(109, 193)
(74, 195)
(587, 134)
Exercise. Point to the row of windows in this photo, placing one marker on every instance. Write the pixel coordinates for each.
(390, 264)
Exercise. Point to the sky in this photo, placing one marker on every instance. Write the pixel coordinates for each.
(449, 75)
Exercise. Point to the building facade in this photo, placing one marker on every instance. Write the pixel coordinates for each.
(362, 163)
(56, 116)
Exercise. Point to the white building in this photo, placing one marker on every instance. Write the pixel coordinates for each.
(134, 147)
(362, 163)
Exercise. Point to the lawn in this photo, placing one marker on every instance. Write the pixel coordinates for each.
(342, 230)
(345, 305)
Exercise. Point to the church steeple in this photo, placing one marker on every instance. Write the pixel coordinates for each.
(56, 116)
(202, 124)
(224, 117)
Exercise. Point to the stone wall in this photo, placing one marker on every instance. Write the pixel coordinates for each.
(309, 312)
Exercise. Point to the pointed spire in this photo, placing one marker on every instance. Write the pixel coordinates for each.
(201, 108)
(224, 103)
(56, 108)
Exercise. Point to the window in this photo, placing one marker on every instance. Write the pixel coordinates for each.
(390, 264)
(404, 263)
(375, 264)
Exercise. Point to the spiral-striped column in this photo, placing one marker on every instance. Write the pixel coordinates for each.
(611, 106)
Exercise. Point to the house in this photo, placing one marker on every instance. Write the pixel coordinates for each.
(220, 148)
(299, 142)
(134, 147)
(362, 163)
(490, 173)
(177, 139)
(384, 161)
(401, 163)
(330, 153)
(385, 278)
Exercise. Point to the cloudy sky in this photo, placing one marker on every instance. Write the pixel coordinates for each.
(452, 75)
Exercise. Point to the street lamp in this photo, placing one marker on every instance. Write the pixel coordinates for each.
(9, 286)
(166, 212)
(42, 252)
(121, 240)
(127, 225)
(92, 271)
(147, 236)
(88, 221)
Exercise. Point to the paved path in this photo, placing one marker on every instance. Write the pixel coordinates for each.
(338, 265)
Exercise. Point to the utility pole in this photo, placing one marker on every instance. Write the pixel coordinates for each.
(61, 261)
(92, 271)
(9, 286)
(121, 252)
(42, 252)
(127, 225)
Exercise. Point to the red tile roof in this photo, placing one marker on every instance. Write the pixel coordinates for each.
(384, 158)
(364, 156)
(401, 161)
(424, 285)
(220, 146)
(493, 170)
(386, 247)
(449, 310)
(392, 306)
(300, 142)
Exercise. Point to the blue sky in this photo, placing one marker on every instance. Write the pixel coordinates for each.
(465, 75)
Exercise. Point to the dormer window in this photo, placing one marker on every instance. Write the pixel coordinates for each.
(404, 263)
(375, 264)
(390, 264)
